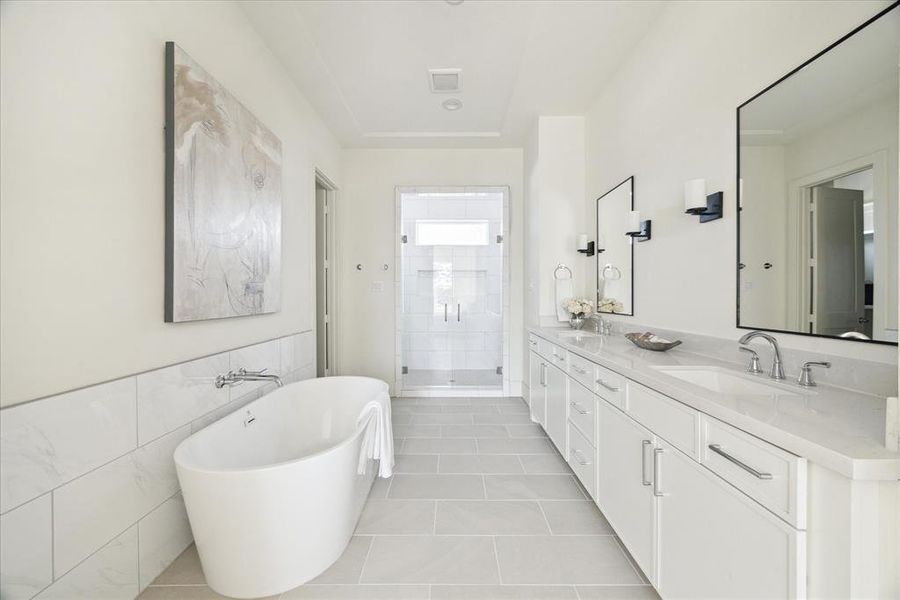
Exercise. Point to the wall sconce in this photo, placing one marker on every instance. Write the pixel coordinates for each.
(696, 202)
(584, 246)
(637, 229)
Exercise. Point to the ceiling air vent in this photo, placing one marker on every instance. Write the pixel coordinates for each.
(445, 81)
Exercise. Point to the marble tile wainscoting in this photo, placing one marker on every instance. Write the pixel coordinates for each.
(89, 499)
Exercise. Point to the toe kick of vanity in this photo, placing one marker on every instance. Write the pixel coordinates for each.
(704, 508)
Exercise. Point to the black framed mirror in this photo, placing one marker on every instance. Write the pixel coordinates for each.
(615, 251)
(818, 192)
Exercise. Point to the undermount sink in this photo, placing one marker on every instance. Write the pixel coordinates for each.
(723, 381)
(577, 334)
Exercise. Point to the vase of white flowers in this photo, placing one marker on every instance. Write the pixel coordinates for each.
(579, 310)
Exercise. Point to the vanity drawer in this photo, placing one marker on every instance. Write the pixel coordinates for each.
(674, 422)
(553, 353)
(583, 460)
(583, 411)
(610, 386)
(771, 476)
(581, 370)
(533, 342)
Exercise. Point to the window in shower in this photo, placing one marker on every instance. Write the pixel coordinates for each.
(451, 290)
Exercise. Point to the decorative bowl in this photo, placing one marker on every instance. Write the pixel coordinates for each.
(649, 341)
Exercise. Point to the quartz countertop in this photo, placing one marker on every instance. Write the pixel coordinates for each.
(836, 428)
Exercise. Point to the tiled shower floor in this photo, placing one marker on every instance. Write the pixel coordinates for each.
(481, 507)
(457, 378)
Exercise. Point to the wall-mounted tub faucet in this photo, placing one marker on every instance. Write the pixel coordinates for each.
(243, 374)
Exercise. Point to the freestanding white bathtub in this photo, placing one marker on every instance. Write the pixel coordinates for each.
(272, 490)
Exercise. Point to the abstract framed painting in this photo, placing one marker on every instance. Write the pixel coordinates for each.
(223, 200)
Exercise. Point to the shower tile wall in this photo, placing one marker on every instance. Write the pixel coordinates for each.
(469, 275)
(89, 500)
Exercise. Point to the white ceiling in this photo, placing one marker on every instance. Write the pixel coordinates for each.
(363, 64)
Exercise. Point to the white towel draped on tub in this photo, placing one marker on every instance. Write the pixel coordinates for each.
(378, 438)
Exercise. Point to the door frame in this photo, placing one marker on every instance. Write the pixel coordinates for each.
(799, 194)
(333, 250)
(398, 292)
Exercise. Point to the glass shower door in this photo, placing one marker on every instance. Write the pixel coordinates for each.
(451, 322)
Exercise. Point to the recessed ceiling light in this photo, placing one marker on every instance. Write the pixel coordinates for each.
(452, 104)
(454, 2)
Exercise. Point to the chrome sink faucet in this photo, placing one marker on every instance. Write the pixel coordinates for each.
(243, 374)
(602, 326)
(777, 367)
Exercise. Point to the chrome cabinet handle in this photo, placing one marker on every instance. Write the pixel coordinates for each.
(607, 386)
(579, 370)
(559, 358)
(657, 472)
(580, 459)
(644, 445)
(758, 474)
(579, 409)
(532, 343)
(445, 312)
(543, 382)
(458, 310)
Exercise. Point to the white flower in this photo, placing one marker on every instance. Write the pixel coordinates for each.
(578, 307)
(609, 305)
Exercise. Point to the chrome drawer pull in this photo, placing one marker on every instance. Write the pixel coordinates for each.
(532, 343)
(607, 386)
(579, 370)
(644, 445)
(579, 409)
(718, 450)
(559, 358)
(657, 472)
(580, 459)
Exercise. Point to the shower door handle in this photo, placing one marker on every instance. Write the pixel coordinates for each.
(458, 310)
(445, 312)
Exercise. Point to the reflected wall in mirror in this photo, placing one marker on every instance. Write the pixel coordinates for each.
(817, 189)
(615, 251)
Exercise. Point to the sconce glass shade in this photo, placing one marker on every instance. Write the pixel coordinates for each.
(634, 221)
(582, 241)
(695, 195)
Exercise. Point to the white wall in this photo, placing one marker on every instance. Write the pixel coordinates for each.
(81, 85)
(668, 115)
(555, 214)
(366, 227)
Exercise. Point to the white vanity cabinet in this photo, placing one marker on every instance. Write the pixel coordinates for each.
(537, 388)
(548, 398)
(705, 509)
(715, 542)
(625, 490)
(556, 384)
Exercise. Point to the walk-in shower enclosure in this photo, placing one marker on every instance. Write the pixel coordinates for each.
(452, 291)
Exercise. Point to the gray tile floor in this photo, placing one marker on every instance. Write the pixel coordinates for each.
(481, 507)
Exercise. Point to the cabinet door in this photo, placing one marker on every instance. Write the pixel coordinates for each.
(556, 407)
(537, 389)
(715, 542)
(625, 486)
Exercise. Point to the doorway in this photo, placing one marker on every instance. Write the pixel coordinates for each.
(325, 280)
(452, 295)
